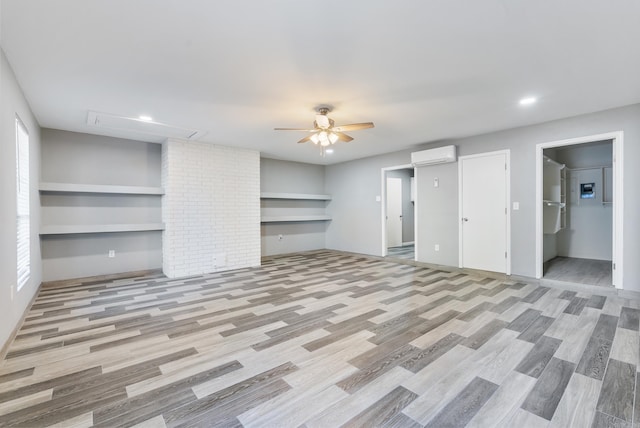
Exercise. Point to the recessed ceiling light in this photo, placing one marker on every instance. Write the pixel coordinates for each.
(145, 118)
(528, 101)
(329, 151)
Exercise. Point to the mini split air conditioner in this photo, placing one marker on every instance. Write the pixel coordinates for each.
(444, 154)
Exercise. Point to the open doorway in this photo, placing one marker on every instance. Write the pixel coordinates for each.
(580, 211)
(398, 212)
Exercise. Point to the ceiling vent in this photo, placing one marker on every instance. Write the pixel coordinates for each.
(139, 126)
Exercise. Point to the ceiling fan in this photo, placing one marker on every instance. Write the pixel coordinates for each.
(324, 132)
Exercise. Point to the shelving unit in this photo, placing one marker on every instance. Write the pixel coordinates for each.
(294, 218)
(607, 185)
(294, 196)
(98, 189)
(554, 196)
(304, 211)
(73, 229)
(100, 205)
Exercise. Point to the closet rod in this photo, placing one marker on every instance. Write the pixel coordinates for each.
(590, 167)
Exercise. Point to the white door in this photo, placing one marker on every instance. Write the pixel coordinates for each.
(394, 212)
(483, 209)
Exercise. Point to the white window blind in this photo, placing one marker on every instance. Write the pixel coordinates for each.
(22, 214)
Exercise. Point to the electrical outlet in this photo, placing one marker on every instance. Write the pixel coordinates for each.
(112, 253)
(280, 237)
(220, 260)
(436, 182)
(436, 247)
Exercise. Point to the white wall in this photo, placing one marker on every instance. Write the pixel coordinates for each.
(211, 208)
(354, 185)
(13, 303)
(279, 176)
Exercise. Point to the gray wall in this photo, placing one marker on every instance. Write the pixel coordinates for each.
(292, 177)
(437, 214)
(357, 224)
(69, 157)
(354, 185)
(13, 303)
(408, 208)
(589, 223)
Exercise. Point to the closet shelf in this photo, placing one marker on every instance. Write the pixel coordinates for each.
(99, 188)
(294, 218)
(549, 161)
(298, 196)
(73, 229)
(553, 204)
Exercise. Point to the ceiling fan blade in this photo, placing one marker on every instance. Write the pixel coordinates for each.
(342, 136)
(353, 127)
(305, 139)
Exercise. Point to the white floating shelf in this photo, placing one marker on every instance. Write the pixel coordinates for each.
(294, 218)
(72, 229)
(99, 188)
(300, 196)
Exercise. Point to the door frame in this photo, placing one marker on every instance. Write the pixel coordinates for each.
(507, 154)
(383, 208)
(617, 138)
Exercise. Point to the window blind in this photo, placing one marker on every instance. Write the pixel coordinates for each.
(22, 212)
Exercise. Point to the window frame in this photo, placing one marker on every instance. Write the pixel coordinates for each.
(23, 205)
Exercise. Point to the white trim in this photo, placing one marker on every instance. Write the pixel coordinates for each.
(507, 154)
(618, 198)
(383, 207)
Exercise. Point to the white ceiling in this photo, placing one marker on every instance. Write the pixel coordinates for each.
(421, 70)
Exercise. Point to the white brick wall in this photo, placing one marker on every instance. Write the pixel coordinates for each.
(211, 208)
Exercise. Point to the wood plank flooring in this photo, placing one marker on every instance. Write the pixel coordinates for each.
(402, 252)
(580, 271)
(323, 339)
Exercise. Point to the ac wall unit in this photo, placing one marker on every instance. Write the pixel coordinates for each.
(444, 154)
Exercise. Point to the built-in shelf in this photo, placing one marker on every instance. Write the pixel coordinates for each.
(299, 196)
(554, 203)
(72, 229)
(99, 188)
(554, 196)
(294, 218)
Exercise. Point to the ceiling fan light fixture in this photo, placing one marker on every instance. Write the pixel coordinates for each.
(322, 121)
(324, 138)
(325, 133)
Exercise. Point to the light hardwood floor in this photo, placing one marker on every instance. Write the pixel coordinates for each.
(579, 271)
(323, 339)
(403, 252)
